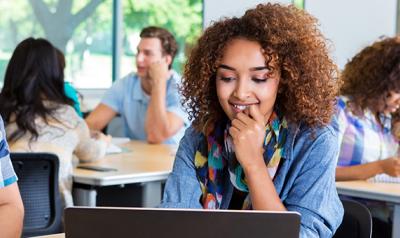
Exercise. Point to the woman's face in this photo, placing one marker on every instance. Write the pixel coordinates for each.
(392, 102)
(243, 79)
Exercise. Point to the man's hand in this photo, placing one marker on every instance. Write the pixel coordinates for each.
(158, 74)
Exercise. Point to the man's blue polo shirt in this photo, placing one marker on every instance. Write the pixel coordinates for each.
(127, 98)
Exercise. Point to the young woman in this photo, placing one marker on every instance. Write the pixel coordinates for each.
(260, 90)
(39, 116)
(370, 95)
(367, 121)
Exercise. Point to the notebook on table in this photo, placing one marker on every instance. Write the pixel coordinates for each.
(384, 178)
(178, 223)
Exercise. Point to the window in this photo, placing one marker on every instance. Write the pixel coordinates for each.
(183, 18)
(83, 30)
(299, 3)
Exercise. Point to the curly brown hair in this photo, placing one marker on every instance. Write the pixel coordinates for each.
(287, 35)
(371, 74)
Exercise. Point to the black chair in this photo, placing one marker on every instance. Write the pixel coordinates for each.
(357, 221)
(38, 184)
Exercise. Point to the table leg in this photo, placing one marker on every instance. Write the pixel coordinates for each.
(151, 194)
(85, 197)
(396, 221)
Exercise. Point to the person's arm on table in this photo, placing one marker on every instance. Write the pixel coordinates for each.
(390, 166)
(100, 117)
(160, 124)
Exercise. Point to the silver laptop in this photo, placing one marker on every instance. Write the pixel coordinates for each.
(101, 222)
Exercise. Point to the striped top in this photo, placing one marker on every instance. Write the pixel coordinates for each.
(7, 174)
(362, 139)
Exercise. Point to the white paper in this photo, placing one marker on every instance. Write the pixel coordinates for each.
(112, 149)
(119, 140)
(384, 178)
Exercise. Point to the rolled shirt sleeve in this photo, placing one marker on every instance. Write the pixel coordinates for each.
(114, 97)
(174, 99)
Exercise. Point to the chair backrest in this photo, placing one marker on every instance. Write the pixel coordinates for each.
(38, 183)
(357, 221)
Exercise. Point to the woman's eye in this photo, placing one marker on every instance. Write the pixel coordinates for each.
(260, 80)
(226, 79)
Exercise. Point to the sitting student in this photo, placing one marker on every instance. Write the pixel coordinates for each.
(370, 95)
(39, 117)
(148, 100)
(11, 207)
(69, 90)
(261, 91)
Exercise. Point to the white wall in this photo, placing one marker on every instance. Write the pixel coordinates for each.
(353, 24)
(349, 24)
(215, 9)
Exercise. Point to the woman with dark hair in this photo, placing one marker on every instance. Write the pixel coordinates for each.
(39, 117)
(261, 91)
(367, 111)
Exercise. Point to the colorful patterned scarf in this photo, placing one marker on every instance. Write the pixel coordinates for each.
(216, 159)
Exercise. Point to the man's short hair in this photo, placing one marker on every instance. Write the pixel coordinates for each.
(168, 42)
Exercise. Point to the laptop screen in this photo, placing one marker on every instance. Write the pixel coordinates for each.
(175, 223)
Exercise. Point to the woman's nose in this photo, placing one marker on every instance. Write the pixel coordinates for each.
(242, 91)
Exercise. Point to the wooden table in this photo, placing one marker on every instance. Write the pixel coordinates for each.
(387, 192)
(142, 163)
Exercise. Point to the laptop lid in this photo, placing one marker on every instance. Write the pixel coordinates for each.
(104, 222)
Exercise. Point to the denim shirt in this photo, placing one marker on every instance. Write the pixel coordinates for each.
(305, 181)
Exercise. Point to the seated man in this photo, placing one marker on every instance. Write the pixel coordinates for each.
(147, 100)
(11, 207)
